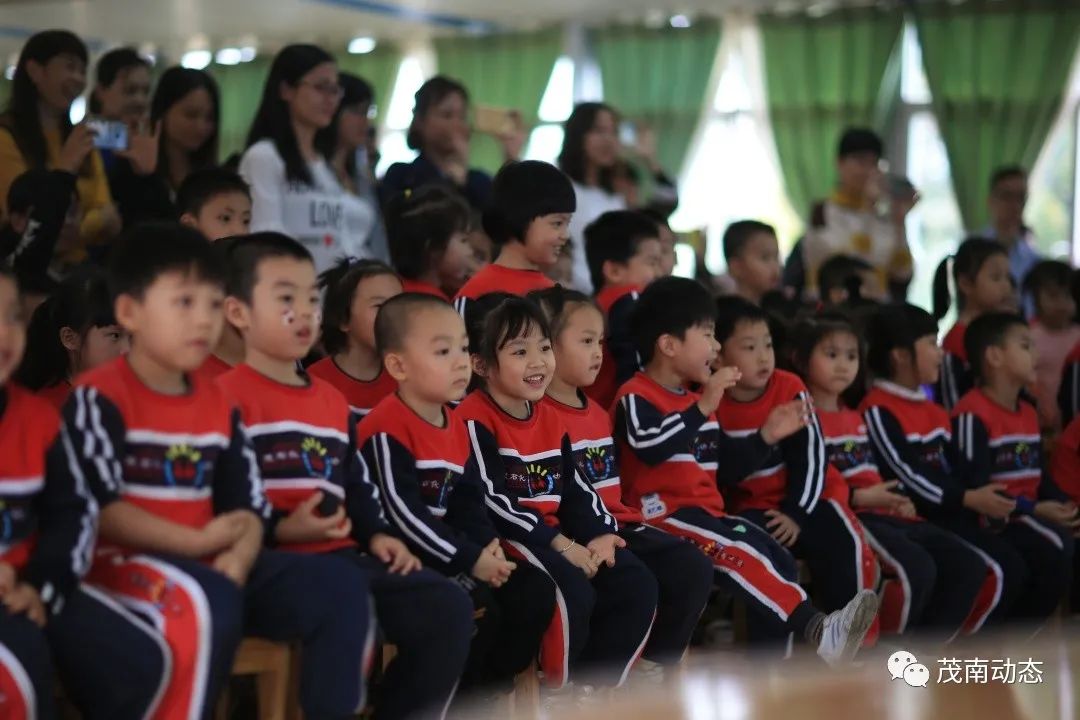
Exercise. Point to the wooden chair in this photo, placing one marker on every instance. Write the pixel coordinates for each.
(271, 664)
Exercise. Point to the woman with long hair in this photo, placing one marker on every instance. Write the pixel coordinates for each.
(36, 133)
(183, 137)
(293, 188)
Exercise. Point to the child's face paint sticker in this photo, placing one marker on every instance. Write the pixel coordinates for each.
(288, 317)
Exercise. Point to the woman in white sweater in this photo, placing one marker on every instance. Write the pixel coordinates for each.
(590, 154)
(293, 188)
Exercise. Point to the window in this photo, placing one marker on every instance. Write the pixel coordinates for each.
(934, 226)
(731, 171)
(392, 146)
(545, 140)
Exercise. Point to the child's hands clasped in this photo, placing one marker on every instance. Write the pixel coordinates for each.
(492, 566)
(393, 553)
(603, 548)
(783, 528)
(19, 597)
(304, 524)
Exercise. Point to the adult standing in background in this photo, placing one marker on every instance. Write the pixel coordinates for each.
(1008, 197)
(350, 159)
(121, 93)
(853, 221)
(293, 187)
(36, 133)
(185, 115)
(440, 132)
(590, 156)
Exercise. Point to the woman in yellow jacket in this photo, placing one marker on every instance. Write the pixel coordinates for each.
(36, 132)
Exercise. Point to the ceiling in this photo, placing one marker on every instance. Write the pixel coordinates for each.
(176, 25)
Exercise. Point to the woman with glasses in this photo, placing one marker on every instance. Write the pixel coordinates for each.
(294, 189)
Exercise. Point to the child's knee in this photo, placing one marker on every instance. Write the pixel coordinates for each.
(226, 605)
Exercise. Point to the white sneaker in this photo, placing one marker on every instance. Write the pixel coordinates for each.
(646, 673)
(844, 630)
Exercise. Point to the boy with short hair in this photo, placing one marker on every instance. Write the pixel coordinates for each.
(753, 258)
(528, 221)
(996, 437)
(170, 465)
(326, 509)
(784, 491)
(419, 454)
(670, 445)
(624, 254)
(216, 202)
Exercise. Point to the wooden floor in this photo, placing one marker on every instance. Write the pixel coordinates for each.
(726, 686)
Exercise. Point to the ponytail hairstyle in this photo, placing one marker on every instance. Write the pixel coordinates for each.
(80, 303)
(894, 327)
(966, 263)
(339, 285)
(558, 304)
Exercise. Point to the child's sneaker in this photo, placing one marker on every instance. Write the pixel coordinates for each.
(843, 631)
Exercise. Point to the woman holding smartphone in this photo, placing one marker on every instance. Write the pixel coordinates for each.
(36, 133)
(440, 133)
(182, 137)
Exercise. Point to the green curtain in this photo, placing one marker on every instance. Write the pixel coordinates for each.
(823, 74)
(659, 77)
(242, 87)
(509, 71)
(997, 72)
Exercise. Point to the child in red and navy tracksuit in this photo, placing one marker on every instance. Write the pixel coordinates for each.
(784, 490)
(326, 510)
(997, 444)
(428, 231)
(354, 291)
(624, 254)
(683, 574)
(110, 663)
(550, 515)
(911, 438)
(670, 445)
(980, 272)
(934, 577)
(170, 466)
(528, 221)
(419, 454)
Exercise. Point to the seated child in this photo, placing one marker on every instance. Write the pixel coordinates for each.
(428, 230)
(216, 202)
(997, 444)
(683, 574)
(74, 330)
(549, 515)
(623, 249)
(1053, 333)
(325, 508)
(528, 221)
(41, 218)
(844, 278)
(911, 439)
(935, 576)
(667, 241)
(47, 547)
(980, 274)
(169, 464)
(668, 440)
(753, 258)
(353, 292)
(784, 491)
(419, 454)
